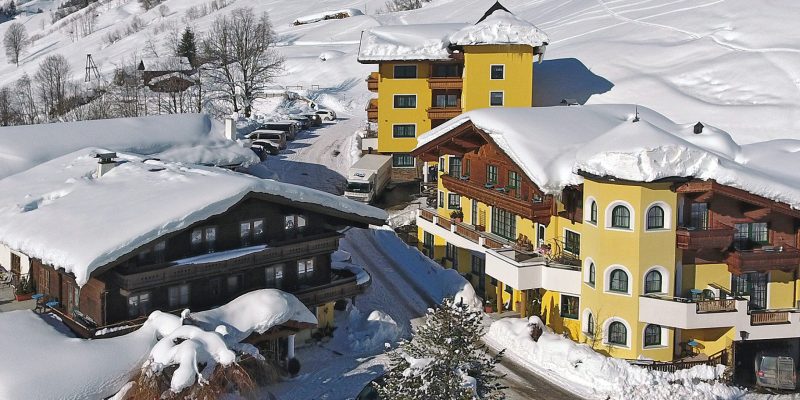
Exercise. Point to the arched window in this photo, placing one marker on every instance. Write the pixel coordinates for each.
(593, 212)
(655, 218)
(590, 324)
(617, 333)
(619, 281)
(652, 282)
(591, 273)
(621, 217)
(652, 335)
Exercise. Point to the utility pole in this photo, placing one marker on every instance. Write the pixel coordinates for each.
(91, 69)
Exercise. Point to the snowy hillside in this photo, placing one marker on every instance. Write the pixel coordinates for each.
(723, 62)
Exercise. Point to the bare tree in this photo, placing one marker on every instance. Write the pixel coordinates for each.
(25, 101)
(240, 55)
(51, 82)
(14, 41)
(8, 115)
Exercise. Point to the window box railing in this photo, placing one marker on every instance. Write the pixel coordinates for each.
(372, 110)
(372, 82)
(769, 317)
(445, 82)
(443, 112)
(689, 238)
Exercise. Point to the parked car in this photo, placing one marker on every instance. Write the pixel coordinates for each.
(776, 372)
(304, 122)
(315, 119)
(290, 127)
(277, 137)
(266, 146)
(327, 115)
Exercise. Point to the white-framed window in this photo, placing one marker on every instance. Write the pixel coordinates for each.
(589, 272)
(441, 199)
(405, 101)
(305, 269)
(453, 201)
(617, 332)
(590, 211)
(654, 336)
(617, 280)
(402, 160)
(401, 131)
(496, 99)
(570, 305)
(658, 217)
(656, 280)
(620, 215)
(178, 296)
(497, 72)
(405, 71)
(589, 323)
(572, 242)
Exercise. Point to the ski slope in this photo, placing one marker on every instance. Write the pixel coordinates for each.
(723, 62)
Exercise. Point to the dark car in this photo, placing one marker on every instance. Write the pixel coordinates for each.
(304, 122)
(315, 119)
(776, 372)
(290, 127)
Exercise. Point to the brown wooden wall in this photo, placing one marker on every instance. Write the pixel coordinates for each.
(491, 154)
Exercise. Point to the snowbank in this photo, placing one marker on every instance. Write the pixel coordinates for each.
(189, 138)
(41, 207)
(341, 260)
(367, 334)
(41, 363)
(335, 14)
(552, 144)
(584, 371)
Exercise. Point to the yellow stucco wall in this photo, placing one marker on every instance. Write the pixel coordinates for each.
(389, 116)
(325, 315)
(517, 84)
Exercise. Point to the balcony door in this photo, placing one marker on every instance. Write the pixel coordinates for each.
(699, 216)
(754, 285)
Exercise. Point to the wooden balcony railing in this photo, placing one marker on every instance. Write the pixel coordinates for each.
(467, 232)
(443, 112)
(715, 306)
(372, 82)
(764, 259)
(539, 211)
(769, 317)
(445, 82)
(695, 239)
(427, 214)
(336, 290)
(444, 223)
(372, 110)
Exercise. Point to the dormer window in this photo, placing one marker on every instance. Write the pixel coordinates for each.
(204, 239)
(251, 232)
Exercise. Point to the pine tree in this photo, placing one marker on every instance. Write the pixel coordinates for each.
(444, 360)
(188, 47)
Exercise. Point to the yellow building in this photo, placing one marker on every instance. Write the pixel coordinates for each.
(428, 74)
(593, 221)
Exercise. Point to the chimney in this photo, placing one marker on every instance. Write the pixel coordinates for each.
(230, 129)
(105, 163)
(698, 128)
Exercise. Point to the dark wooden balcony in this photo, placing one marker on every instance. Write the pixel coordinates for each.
(445, 82)
(765, 259)
(506, 200)
(372, 110)
(443, 112)
(696, 239)
(769, 317)
(372, 82)
(338, 289)
(175, 272)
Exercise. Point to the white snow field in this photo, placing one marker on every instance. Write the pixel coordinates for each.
(725, 62)
(599, 377)
(40, 362)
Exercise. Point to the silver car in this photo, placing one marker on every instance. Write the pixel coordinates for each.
(776, 372)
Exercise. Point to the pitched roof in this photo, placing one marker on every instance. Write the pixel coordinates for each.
(164, 64)
(553, 144)
(62, 213)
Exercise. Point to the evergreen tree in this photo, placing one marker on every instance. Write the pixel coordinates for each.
(188, 47)
(444, 360)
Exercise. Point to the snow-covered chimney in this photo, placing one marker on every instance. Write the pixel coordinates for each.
(105, 163)
(230, 129)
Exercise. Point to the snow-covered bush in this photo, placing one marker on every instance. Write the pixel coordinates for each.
(404, 5)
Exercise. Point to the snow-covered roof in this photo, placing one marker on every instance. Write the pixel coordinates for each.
(62, 213)
(190, 138)
(163, 64)
(433, 41)
(553, 144)
(500, 27)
